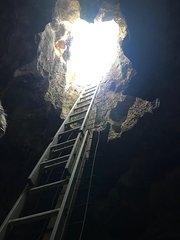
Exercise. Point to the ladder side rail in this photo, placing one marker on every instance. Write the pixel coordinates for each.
(67, 199)
(70, 163)
(83, 126)
(62, 128)
(73, 193)
(33, 177)
(73, 154)
(15, 212)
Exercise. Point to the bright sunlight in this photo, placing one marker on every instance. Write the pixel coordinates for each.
(93, 50)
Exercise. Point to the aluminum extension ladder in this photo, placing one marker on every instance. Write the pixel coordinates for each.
(42, 210)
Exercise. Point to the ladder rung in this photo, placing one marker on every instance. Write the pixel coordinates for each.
(88, 92)
(54, 160)
(86, 105)
(53, 149)
(85, 101)
(87, 96)
(55, 165)
(49, 185)
(90, 88)
(76, 114)
(34, 217)
(68, 131)
(64, 143)
(74, 121)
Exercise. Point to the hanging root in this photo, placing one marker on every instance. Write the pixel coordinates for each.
(3, 123)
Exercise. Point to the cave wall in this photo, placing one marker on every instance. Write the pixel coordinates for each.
(53, 54)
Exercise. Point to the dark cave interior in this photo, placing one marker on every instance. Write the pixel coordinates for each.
(135, 191)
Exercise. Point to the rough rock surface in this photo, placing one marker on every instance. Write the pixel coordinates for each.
(127, 114)
(52, 56)
(3, 123)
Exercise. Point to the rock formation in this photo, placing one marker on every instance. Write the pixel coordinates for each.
(3, 123)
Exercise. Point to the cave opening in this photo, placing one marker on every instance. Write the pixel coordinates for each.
(89, 50)
(93, 50)
(75, 52)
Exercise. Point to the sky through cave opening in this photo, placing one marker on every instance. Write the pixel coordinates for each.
(93, 51)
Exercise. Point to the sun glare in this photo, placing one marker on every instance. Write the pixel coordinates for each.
(93, 50)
